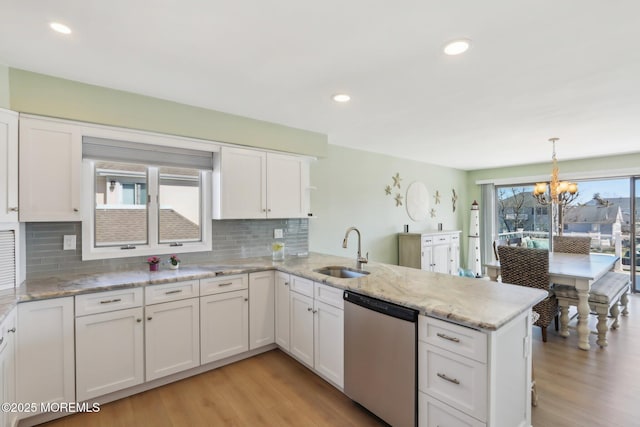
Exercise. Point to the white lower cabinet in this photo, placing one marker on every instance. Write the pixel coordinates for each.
(109, 352)
(317, 328)
(282, 310)
(7, 366)
(261, 309)
(45, 352)
(456, 387)
(224, 318)
(172, 337)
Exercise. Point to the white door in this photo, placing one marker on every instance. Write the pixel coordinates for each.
(301, 335)
(50, 171)
(328, 332)
(282, 310)
(8, 166)
(285, 194)
(224, 325)
(441, 259)
(172, 337)
(109, 352)
(45, 363)
(241, 184)
(261, 309)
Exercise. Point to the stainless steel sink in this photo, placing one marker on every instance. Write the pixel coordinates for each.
(341, 272)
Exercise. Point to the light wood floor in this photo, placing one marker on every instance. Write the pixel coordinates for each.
(600, 387)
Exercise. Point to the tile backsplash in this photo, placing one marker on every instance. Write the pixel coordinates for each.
(231, 239)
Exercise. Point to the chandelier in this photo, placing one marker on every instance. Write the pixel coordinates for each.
(560, 192)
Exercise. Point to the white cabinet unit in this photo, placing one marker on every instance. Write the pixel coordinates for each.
(109, 343)
(455, 383)
(224, 317)
(438, 251)
(172, 328)
(50, 170)
(261, 309)
(317, 328)
(45, 352)
(257, 184)
(7, 366)
(8, 166)
(282, 310)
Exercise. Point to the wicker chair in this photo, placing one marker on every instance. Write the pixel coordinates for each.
(530, 267)
(572, 245)
(514, 241)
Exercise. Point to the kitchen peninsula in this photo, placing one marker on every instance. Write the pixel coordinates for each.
(494, 316)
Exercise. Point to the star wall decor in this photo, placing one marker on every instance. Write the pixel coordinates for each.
(437, 197)
(454, 198)
(387, 190)
(433, 213)
(398, 200)
(396, 180)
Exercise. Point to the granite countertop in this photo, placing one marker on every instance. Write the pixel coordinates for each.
(472, 302)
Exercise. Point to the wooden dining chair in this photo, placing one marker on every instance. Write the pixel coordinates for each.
(530, 267)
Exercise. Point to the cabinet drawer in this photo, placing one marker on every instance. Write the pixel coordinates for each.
(171, 292)
(453, 379)
(102, 302)
(433, 413)
(458, 339)
(329, 295)
(302, 286)
(218, 285)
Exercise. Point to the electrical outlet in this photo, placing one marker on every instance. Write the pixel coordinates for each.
(69, 242)
(278, 233)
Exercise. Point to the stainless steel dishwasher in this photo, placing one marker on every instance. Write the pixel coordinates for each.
(380, 358)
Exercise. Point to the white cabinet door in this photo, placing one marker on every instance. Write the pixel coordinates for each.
(261, 309)
(454, 255)
(50, 171)
(7, 366)
(240, 184)
(224, 325)
(109, 352)
(441, 259)
(8, 166)
(328, 332)
(427, 258)
(282, 310)
(301, 327)
(172, 337)
(285, 191)
(45, 351)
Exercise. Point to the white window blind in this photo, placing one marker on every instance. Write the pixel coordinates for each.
(8, 257)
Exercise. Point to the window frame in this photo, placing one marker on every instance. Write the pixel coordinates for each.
(153, 246)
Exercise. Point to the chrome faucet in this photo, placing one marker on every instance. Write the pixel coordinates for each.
(359, 259)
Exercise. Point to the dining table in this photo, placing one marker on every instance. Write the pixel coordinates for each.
(577, 270)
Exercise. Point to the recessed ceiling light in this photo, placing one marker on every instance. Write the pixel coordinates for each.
(341, 97)
(60, 28)
(457, 47)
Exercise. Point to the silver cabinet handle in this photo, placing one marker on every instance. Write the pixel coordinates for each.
(138, 320)
(225, 284)
(446, 378)
(149, 318)
(1, 340)
(309, 309)
(109, 301)
(76, 209)
(246, 299)
(13, 209)
(447, 337)
(286, 283)
(175, 291)
(12, 329)
(315, 311)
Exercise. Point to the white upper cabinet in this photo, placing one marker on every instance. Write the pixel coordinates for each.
(256, 184)
(50, 170)
(8, 166)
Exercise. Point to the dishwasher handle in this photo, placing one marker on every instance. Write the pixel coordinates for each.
(384, 307)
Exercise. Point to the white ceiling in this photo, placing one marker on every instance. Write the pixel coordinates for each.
(537, 68)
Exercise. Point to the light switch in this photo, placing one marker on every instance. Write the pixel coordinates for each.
(277, 233)
(69, 243)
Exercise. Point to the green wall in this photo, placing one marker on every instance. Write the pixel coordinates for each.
(4, 86)
(350, 192)
(51, 96)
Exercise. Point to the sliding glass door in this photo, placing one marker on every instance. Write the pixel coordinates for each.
(634, 256)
